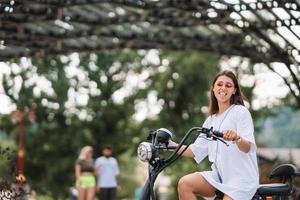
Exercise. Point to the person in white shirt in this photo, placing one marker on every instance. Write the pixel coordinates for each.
(234, 170)
(107, 170)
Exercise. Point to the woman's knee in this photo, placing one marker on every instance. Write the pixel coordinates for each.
(190, 182)
(182, 183)
(195, 183)
(227, 197)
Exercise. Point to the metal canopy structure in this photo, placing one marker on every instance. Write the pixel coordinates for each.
(265, 31)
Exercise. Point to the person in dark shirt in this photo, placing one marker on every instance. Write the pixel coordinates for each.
(84, 172)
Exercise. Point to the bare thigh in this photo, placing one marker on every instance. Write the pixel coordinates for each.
(90, 193)
(81, 193)
(226, 197)
(197, 184)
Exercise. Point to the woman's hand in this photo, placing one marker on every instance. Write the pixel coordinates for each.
(230, 135)
(172, 144)
(242, 144)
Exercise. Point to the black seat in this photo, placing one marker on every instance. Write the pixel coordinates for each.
(273, 189)
(284, 171)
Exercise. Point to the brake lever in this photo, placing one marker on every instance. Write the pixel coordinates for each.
(220, 139)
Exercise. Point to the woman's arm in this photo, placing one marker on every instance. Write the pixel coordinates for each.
(77, 171)
(243, 144)
(187, 153)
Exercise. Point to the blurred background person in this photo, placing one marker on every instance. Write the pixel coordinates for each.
(107, 169)
(84, 172)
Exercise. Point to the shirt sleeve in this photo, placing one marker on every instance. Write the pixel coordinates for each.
(245, 128)
(200, 146)
(96, 163)
(199, 149)
(117, 170)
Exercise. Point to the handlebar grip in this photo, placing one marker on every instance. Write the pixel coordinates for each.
(218, 134)
(171, 148)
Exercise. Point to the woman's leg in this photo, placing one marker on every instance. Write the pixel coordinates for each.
(81, 193)
(192, 184)
(226, 197)
(90, 193)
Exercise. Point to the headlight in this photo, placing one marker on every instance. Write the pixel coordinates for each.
(145, 151)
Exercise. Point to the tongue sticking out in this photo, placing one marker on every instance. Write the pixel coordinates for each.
(222, 94)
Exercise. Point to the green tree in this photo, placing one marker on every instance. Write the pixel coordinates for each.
(78, 107)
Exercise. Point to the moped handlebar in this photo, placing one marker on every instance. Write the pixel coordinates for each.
(160, 141)
(218, 134)
(208, 132)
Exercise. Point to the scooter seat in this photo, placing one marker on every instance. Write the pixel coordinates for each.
(273, 189)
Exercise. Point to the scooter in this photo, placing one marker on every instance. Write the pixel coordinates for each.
(158, 142)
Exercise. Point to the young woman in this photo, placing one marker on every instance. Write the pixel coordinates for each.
(84, 172)
(234, 169)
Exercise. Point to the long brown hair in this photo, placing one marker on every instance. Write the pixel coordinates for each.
(236, 98)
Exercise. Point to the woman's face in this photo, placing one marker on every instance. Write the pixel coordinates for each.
(223, 89)
(89, 154)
